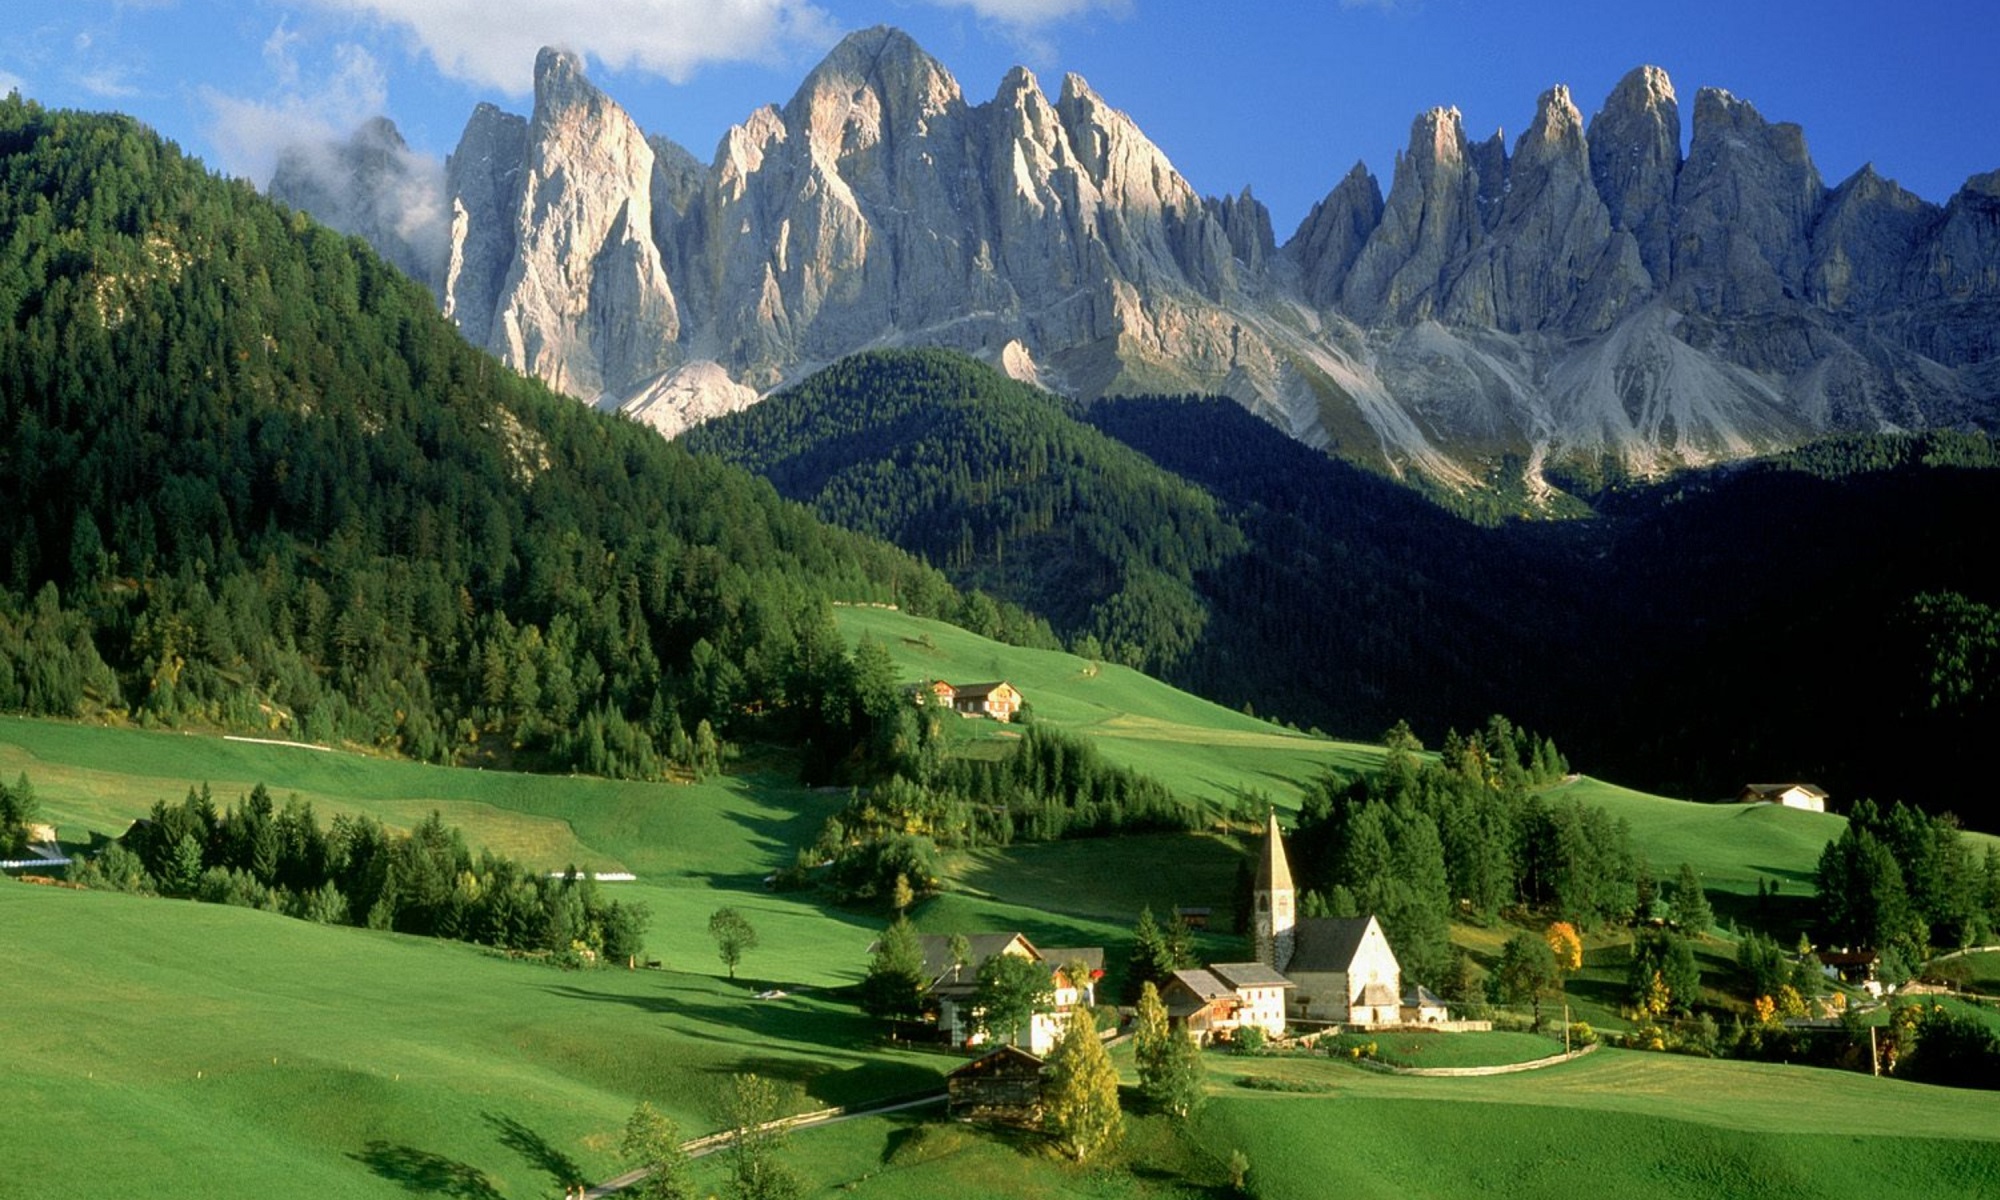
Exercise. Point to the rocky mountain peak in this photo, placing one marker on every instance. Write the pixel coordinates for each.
(874, 83)
(560, 80)
(1557, 129)
(1583, 291)
(1437, 139)
(1745, 203)
(1635, 155)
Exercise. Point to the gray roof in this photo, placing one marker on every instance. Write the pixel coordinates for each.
(1203, 984)
(940, 971)
(1422, 997)
(1326, 943)
(979, 691)
(1251, 974)
(1377, 995)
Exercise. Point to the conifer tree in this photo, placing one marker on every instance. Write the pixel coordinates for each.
(1691, 911)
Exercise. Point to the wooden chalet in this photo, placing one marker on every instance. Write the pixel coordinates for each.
(998, 700)
(1003, 1087)
(935, 691)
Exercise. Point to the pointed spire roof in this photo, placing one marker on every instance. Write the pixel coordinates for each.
(1274, 872)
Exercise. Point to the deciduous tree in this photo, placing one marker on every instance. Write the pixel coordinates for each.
(1082, 1094)
(749, 1107)
(652, 1143)
(894, 986)
(733, 936)
(1011, 989)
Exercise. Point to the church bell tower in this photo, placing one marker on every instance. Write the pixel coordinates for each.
(1276, 902)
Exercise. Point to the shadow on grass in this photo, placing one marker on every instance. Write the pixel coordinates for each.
(536, 1149)
(425, 1173)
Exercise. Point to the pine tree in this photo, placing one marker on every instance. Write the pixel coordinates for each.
(1082, 1093)
(1170, 1070)
(1690, 908)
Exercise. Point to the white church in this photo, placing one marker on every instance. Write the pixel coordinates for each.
(1309, 970)
(1341, 968)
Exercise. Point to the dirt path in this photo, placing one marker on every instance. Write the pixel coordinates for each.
(702, 1146)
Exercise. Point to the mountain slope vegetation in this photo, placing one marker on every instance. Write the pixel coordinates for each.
(250, 478)
(1805, 616)
(1001, 485)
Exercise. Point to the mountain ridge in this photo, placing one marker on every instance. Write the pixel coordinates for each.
(1588, 294)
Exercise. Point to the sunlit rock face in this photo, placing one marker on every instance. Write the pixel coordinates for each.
(1582, 292)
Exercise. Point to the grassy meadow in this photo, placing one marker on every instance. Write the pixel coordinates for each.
(225, 1052)
(1199, 749)
(1614, 1124)
(185, 1050)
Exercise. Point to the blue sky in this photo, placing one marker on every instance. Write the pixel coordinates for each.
(1284, 96)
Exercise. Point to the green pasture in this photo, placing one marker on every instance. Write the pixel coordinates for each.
(168, 1048)
(1201, 750)
(1985, 975)
(1429, 1048)
(1612, 1124)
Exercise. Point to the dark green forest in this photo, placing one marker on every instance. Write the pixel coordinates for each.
(249, 478)
(1001, 485)
(1809, 616)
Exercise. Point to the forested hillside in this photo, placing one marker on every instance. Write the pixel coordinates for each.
(1812, 616)
(250, 478)
(1001, 485)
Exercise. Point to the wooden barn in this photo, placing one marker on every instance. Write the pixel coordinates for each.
(1003, 1087)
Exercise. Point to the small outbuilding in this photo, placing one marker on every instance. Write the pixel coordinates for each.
(1809, 797)
(1004, 1087)
(1421, 1006)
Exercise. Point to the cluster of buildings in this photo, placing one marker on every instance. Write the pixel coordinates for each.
(1307, 972)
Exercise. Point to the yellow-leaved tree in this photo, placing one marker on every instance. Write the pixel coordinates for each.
(1081, 1101)
(1567, 945)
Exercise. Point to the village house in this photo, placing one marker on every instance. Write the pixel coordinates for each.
(998, 700)
(1791, 795)
(935, 691)
(1421, 1006)
(1212, 1003)
(951, 984)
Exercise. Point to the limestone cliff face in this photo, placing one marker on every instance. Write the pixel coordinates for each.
(1635, 154)
(1584, 293)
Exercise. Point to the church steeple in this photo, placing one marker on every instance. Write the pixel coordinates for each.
(1277, 903)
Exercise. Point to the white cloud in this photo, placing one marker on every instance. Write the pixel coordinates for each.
(492, 43)
(109, 81)
(1025, 21)
(10, 82)
(248, 134)
(1034, 12)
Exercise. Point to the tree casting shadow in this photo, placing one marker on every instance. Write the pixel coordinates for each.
(426, 1173)
(536, 1149)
